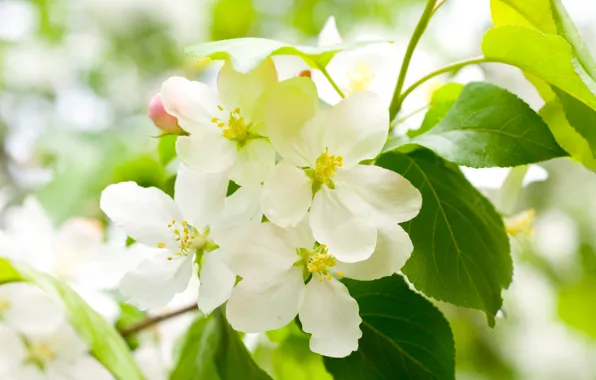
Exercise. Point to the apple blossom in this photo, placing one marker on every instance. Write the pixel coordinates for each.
(275, 263)
(176, 232)
(321, 154)
(225, 127)
(160, 117)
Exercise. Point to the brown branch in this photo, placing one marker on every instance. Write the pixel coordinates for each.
(151, 321)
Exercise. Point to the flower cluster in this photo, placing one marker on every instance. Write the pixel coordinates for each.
(37, 341)
(310, 208)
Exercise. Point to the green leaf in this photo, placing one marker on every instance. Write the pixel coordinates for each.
(247, 53)
(212, 350)
(461, 250)
(546, 56)
(531, 13)
(403, 335)
(144, 170)
(581, 117)
(578, 147)
(442, 100)
(129, 315)
(566, 29)
(489, 126)
(104, 342)
(166, 148)
(196, 359)
(577, 306)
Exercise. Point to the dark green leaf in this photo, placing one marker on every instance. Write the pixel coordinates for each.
(442, 101)
(247, 53)
(489, 126)
(403, 335)
(461, 250)
(104, 342)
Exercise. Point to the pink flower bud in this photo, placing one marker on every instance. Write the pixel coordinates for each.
(161, 118)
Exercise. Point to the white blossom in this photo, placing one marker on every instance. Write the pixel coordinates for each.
(274, 263)
(321, 154)
(178, 232)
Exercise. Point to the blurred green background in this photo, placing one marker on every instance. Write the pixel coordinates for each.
(76, 76)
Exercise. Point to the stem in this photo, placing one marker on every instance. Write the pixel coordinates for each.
(418, 31)
(326, 73)
(446, 69)
(151, 321)
(439, 5)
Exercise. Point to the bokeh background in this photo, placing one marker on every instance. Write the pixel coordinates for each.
(76, 77)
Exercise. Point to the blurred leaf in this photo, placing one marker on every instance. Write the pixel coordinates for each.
(461, 250)
(232, 19)
(531, 13)
(546, 56)
(129, 315)
(577, 306)
(144, 170)
(403, 335)
(292, 359)
(442, 100)
(247, 53)
(552, 113)
(581, 117)
(212, 350)
(166, 149)
(104, 342)
(489, 126)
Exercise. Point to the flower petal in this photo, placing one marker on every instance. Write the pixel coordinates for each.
(389, 196)
(239, 90)
(391, 253)
(350, 238)
(143, 213)
(88, 368)
(260, 251)
(291, 124)
(12, 350)
(241, 209)
(192, 103)
(157, 280)
(217, 282)
(329, 35)
(30, 311)
(357, 127)
(66, 344)
(287, 195)
(207, 150)
(330, 314)
(256, 159)
(200, 196)
(259, 305)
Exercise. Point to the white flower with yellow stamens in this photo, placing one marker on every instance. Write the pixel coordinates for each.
(225, 127)
(285, 273)
(178, 232)
(321, 154)
(370, 68)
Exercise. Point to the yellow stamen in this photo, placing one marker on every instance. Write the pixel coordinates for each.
(40, 352)
(4, 305)
(360, 77)
(326, 167)
(521, 223)
(235, 128)
(161, 245)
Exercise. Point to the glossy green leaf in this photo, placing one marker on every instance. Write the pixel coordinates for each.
(104, 342)
(489, 126)
(212, 350)
(546, 56)
(566, 29)
(577, 306)
(531, 13)
(442, 100)
(247, 53)
(461, 250)
(403, 335)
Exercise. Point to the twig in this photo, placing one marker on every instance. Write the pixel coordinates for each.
(151, 321)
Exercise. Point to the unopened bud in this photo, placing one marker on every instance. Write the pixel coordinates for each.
(305, 73)
(161, 118)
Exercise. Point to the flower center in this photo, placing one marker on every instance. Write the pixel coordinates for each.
(317, 261)
(4, 305)
(188, 238)
(360, 77)
(40, 353)
(326, 167)
(235, 128)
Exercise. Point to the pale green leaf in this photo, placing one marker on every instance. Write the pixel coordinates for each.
(403, 335)
(104, 342)
(577, 306)
(247, 53)
(461, 250)
(488, 126)
(442, 100)
(531, 13)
